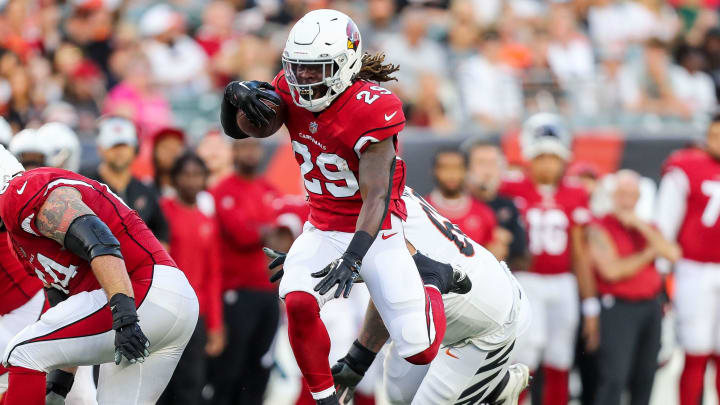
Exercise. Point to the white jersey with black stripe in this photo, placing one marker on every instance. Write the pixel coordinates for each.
(489, 314)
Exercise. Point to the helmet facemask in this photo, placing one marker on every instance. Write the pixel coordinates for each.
(314, 84)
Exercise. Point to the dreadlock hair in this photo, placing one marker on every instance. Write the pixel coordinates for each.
(374, 70)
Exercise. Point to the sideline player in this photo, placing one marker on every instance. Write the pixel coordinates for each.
(687, 212)
(555, 211)
(482, 325)
(343, 129)
(125, 298)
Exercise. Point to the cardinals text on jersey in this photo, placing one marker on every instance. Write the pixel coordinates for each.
(328, 146)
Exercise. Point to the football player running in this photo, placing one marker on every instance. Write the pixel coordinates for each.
(555, 211)
(125, 301)
(344, 128)
(688, 211)
(481, 325)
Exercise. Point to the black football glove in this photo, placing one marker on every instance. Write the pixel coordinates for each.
(57, 386)
(278, 259)
(248, 97)
(130, 341)
(349, 370)
(343, 272)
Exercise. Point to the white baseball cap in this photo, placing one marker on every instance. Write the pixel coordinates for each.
(6, 132)
(116, 131)
(9, 168)
(156, 20)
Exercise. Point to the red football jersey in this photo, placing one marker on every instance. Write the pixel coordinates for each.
(699, 234)
(16, 286)
(474, 217)
(192, 231)
(54, 265)
(549, 214)
(328, 146)
(644, 284)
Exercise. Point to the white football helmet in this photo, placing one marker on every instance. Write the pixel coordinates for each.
(545, 133)
(9, 168)
(63, 146)
(28, 141)
(322, 55)
(6, 132)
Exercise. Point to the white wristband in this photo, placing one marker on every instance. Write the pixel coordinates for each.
(591, 307)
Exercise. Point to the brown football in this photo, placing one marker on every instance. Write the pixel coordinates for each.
(275, 123)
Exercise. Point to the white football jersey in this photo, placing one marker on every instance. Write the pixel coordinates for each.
(491, 313)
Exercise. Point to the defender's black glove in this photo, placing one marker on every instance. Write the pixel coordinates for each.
(130, 341)
(247, 97)
(278, 259)
(349, 370)
(57, 386)
(343, 272)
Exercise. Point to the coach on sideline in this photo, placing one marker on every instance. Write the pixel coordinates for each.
(623, 249)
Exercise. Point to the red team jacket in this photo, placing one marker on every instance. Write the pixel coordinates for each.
(243, 208)
(699, 234)
(328, 146)
(56, 266)
(16, 286)
(476, 219)
(194, 245)
(646, 283)
(549, 216)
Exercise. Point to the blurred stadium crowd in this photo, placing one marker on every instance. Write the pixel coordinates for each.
(142, 81)
(466, 64)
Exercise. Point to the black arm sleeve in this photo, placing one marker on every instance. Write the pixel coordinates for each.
(158, 223)
(518, 246)
(228, 120)
(89, 237)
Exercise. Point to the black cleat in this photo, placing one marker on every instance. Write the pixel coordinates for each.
(331, 400)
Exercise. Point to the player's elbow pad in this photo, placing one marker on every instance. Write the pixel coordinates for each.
(228, 120)
(89, 237)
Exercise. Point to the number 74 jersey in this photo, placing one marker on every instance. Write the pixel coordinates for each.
(328, 146)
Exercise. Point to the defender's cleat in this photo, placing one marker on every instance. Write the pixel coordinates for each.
(518, 381)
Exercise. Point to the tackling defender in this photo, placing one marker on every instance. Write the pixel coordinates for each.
(482, 325)
(344, 131)
(125, 298)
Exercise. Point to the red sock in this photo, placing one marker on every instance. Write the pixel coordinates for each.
(691, 380)
(305, 397)
(526, 391)
(25, 387)
(362, 399)
(716, 359)
(309, 340)
(435, 312)
(555, 390)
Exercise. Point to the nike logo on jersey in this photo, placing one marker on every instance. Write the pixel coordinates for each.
(22, 189)
(387, 236)
(389, 117)
(447, 351)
